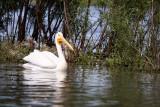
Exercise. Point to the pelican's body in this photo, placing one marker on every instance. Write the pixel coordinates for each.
(47, 61)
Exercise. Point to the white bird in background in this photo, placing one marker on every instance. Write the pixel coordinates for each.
(47, 61)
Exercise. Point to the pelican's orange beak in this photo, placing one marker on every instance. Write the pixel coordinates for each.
(62, 39)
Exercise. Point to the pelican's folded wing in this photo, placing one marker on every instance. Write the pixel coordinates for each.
(51, 56)
(40, 59)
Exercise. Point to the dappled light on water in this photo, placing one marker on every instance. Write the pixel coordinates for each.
(78, 85)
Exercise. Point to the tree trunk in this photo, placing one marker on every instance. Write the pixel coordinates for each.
(109, 45)
(22, 23)
(35, 31)
(85, 26)
(38, 20)
(154, 51)
(19, 22)
(102, 37)
(66, 16)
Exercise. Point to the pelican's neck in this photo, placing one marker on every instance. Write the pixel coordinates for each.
(59, 50)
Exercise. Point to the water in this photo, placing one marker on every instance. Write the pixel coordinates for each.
(80, 86)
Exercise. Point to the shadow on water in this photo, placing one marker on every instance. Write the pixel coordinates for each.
(78, 86)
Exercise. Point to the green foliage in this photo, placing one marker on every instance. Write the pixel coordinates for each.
(130, 24)
(13, 53)
(85, 59)
(124, 25)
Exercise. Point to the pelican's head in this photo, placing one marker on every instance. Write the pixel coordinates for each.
(59, 38)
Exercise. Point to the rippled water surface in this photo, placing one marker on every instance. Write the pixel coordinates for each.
(78, 86)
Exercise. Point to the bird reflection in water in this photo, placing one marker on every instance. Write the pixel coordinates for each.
(45, 86)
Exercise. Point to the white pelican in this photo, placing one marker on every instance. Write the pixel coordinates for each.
(47, 61)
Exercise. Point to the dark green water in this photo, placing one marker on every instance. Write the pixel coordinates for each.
(79, 86)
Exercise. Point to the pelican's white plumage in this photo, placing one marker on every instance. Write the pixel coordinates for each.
(47, 61)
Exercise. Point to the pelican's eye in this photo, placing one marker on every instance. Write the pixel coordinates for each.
(59, 35)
